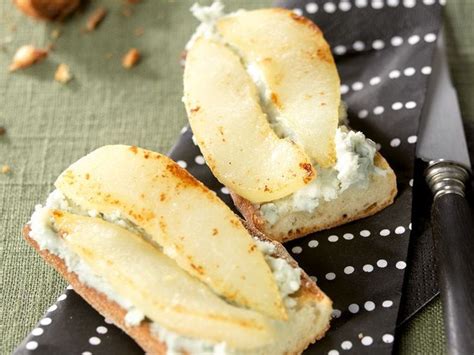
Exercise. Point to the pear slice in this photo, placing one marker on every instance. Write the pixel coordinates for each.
(233, 132)
(194, 227)
(138, 272)
(299, 72)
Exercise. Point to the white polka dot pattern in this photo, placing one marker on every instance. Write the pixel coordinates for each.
(369, 306)
(382, 263)
(94, 341)
(311, 8)
(401, 265)
(384, 232)
(353, 308)
(199, 160)
(364, 233)
(225, 190)
(329, 7)
(345, 6)
(31, 345)
(387, 338)
(380, 44)
(182, 164)
(37, 332)
(346, 345)
(46, 321)
(52, 308)
(367, 340)
(296, 250)
(368, 268)
(101, 330)
(348, 270)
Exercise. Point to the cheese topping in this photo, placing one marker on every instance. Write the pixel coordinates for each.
(42, 231)
(354, 166)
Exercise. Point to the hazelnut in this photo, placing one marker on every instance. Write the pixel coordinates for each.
(48, 9)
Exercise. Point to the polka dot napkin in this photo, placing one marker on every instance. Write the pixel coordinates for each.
(383, 50)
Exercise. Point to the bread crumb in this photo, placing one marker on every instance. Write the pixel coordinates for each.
(131, 58)
(139, 31)
(6, 169)
(26, 56)
(109, 55)
(63, 74)
(56, 33)
(96, 18)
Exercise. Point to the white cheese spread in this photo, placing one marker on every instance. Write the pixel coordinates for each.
(288, 278)
(208, 16)
(354, 166)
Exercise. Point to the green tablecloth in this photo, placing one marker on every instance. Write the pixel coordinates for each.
(50, 125)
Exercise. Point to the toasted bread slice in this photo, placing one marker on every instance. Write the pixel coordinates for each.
(307, 323)
(352, 204)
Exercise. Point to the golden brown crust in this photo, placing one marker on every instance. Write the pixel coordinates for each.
(142, 334)
(47, 9)
(256, 222)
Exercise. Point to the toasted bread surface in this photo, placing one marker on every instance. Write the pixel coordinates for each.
(353, 204)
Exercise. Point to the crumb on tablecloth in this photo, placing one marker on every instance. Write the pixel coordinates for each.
(26, 56)
(131, 58)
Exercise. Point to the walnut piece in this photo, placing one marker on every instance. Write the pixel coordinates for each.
(26, 56)
(96, 18)
(63, 74)
(131, 58)
(48, 9)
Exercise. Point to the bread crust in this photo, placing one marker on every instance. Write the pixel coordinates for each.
(256, 222)
(142, 333)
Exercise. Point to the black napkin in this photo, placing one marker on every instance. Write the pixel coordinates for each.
(383, 51)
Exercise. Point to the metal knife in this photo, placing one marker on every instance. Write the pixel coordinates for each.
(442, 143)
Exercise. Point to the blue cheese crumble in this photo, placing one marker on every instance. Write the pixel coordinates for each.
(354, 164)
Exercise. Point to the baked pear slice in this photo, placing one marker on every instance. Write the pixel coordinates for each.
(233, 132)
(298, 70)
(196, 229)
(138, 272)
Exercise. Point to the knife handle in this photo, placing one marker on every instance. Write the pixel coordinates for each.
(453, 233)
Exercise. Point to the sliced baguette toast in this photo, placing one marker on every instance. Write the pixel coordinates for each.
(308, 324)
(354, 203)
(301, 106)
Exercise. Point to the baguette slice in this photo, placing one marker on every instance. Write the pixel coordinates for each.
(305, 325)
(354, 203)
(180, 214)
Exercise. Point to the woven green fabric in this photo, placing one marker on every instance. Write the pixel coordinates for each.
(50, 125)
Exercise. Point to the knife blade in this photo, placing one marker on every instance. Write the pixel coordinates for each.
(442, 143)
(441, 133)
